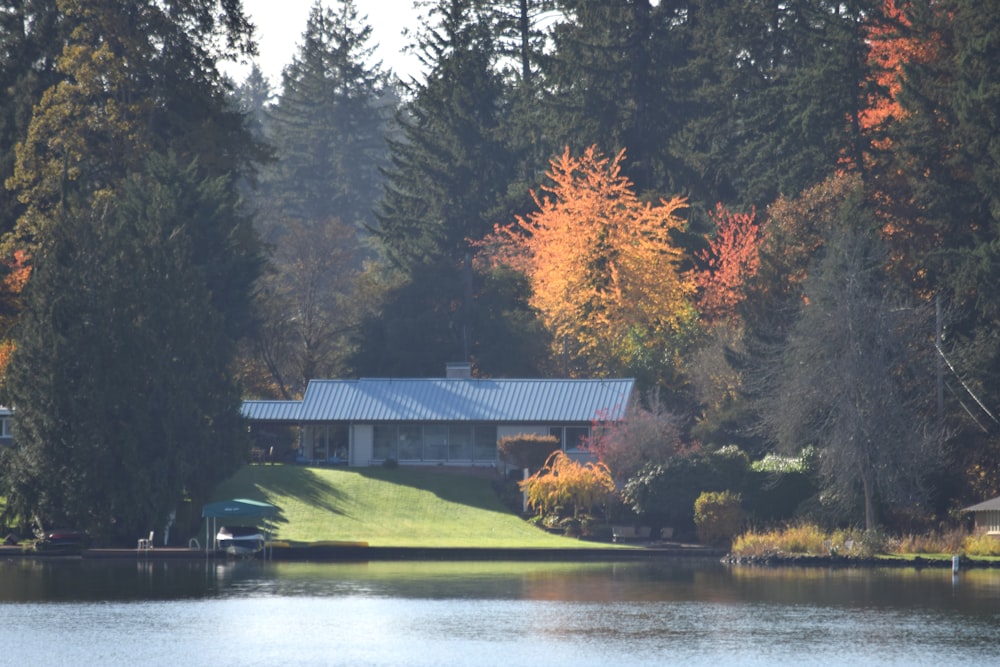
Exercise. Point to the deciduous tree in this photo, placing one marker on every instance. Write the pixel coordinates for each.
(728, 264)
(604, 269)
(649, 433)
(852, 382)
(565, 485)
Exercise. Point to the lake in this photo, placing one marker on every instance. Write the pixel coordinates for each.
(664, 612)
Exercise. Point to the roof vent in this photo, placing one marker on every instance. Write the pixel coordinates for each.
(458, 370)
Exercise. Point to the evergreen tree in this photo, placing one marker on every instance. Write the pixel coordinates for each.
(124, 395)
(614, 80)
(31, 39)
(449, 177)
(329, 123)
(451, 169)
(779, 87)
(940, 181)
(252, 98)
(131, 82)
(134, 303)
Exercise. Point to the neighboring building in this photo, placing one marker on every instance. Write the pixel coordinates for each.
(987, 516)
(455, 420)
(6, 423)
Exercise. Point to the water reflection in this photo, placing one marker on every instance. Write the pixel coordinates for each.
(499, 613)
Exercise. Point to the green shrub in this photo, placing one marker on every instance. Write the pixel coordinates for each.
(665, 493)
(718, 517)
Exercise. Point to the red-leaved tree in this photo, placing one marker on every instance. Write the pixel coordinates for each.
(730, 261)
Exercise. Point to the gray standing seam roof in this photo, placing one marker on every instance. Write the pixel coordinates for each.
(986, 505)
(272, 411)
(451, 399)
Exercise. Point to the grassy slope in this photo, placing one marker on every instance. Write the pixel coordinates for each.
(401, 507)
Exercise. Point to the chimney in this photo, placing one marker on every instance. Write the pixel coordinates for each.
(458, 370)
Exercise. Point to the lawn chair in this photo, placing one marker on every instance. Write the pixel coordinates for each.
(145, 543)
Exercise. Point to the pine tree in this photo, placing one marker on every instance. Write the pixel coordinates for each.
(31, 38)
(329, 123)
(780, 86)
(939, 181)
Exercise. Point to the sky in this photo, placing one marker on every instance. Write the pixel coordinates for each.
(280, 24)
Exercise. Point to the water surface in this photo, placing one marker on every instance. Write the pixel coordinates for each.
(503, 614)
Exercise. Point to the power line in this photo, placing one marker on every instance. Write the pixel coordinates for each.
(965, 386)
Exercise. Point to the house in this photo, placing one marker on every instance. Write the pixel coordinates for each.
(987, 516)
(454, 420)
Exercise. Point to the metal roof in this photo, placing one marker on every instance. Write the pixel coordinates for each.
(991, 504)
(238, 507)
(272, 411)
(453, 399)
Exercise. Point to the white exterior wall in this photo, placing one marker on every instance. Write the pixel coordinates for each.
(362, 444)
(308, 441)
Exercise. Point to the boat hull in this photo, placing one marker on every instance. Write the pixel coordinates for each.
(239, 541)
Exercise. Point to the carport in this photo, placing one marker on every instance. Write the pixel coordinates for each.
(236, 508)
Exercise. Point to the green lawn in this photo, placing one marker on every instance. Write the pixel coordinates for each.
(399, 507)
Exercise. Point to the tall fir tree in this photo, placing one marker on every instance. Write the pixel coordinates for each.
(134, 82)
(125, 399)
(614, 79)
(329, 123)
(780, 86)
(450, 169)
(448, 181)
(31, 39)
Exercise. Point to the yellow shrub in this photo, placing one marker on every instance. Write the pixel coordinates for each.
(981, 545)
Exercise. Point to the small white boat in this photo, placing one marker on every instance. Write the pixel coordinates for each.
(239, 540)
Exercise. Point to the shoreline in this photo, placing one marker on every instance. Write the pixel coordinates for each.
(323, 553)
(355, 553)
(916, 562)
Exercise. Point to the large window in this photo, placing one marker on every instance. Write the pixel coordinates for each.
(384, 442)
(435, 442)
(572, 439)
(991, 521)
(460, 442)
(485, 446)
(411, 443)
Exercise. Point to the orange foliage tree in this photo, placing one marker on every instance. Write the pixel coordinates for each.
(730, 261)
(563, 484)
(15, 272)
(891, 46)
(603, 268)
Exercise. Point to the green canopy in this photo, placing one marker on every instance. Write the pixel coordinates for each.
(238, 508)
